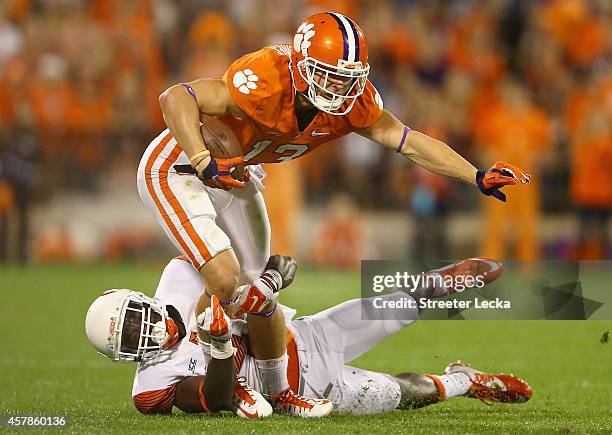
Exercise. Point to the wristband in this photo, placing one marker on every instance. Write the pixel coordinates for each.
(198, 157)
(267, 313)
(272, 279)
(221, 349)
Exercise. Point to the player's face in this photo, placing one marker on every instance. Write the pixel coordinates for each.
(336, 84)
(131, 330)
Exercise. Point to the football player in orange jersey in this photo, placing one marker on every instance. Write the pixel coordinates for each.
(282, 102)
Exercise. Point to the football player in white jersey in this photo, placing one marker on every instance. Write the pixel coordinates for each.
(177, 367)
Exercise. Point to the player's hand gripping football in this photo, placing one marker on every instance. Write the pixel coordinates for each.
(224, 173)
(500, 175)
(219, 173)
(260, 297)
(214, 322)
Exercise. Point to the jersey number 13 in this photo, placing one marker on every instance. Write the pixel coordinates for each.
(259, 147)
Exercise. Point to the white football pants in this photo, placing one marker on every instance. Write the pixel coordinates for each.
(328, 340)
(202, 221)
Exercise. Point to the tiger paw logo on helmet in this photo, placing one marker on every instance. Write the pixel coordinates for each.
(245, 80)
(301, 40)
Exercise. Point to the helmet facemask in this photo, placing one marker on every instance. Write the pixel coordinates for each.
(140, 329)
(324, 99)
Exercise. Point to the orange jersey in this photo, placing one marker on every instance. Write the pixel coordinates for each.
(260, 85)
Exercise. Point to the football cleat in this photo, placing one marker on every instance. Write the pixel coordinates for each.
(293, 404)
(483, 270)
(248, 403)
(492, 388)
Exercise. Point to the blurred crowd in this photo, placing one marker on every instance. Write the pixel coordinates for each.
(529, 82)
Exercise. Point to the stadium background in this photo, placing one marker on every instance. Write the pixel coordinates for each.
(529, 82)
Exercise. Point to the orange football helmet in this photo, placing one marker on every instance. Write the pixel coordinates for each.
(329, 45)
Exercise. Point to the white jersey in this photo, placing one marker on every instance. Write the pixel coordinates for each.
(318, 349)
(181, 287)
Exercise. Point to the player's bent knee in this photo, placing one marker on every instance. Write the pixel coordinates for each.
(221, 274)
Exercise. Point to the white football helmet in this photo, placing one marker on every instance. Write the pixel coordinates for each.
(127, 326)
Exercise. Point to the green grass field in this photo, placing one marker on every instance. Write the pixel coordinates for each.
(48, 367)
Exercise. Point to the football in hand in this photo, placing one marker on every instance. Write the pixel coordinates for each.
(220, 140)
(222, 143)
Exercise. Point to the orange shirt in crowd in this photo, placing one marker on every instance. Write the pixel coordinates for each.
(18, 10)
(132, 26)
(575, 28)
(517, 137)
(521, 136)
(588, 115)
(51, 103)
(591, 177)
(467, 51)
(212, 27)
(6, 197)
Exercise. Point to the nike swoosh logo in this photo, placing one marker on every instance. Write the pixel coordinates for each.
(255, 300)
(319, 133)
(249, 414)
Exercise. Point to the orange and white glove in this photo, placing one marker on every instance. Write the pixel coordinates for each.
(500, 175)
(259, 298)
(218, 326)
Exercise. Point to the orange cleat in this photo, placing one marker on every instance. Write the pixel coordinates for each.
(492, 388)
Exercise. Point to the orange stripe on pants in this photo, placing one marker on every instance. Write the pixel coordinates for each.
(174, 204)
(176, 207)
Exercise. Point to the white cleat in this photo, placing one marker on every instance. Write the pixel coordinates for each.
(492, 387)
(248, 403)
(293, 404)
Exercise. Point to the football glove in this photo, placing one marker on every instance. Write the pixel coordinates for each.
(500, 175)
(220, 173)
(285, 266)
(254, 299)
(217, 325)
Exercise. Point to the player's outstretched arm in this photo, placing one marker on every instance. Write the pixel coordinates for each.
(425, 151)
(441, 159)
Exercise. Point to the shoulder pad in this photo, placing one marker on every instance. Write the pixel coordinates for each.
(367, 109)
(257, 82)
